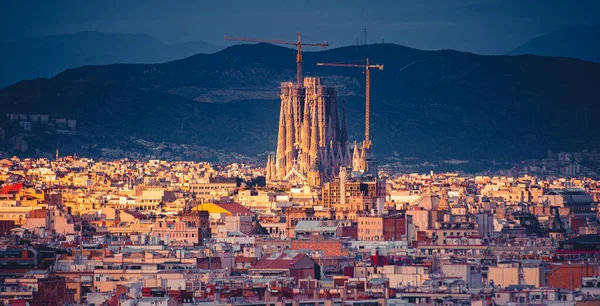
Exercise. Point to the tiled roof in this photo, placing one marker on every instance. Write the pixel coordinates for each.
(278, 263)
(244, 259)
(11, 188)
(136, 214)
(235, 209)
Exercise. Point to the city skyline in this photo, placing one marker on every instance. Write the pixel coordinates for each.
(137, 173)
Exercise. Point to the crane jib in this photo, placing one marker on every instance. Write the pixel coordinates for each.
(297, 43)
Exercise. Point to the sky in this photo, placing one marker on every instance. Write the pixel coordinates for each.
(482, 26)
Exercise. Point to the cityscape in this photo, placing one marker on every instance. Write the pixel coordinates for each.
(285, 185)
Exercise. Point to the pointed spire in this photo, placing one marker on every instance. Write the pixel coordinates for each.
(268, 168)
(306, 137)
(290, 149)
(314, 137)
(355, 158)
(330, 130)
(281, 142)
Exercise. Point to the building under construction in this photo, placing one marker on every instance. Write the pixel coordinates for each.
(312, 142)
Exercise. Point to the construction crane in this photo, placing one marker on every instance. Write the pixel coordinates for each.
(368, 66)
(297, 43)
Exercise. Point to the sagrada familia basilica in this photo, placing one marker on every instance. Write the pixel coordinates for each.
(312, 143)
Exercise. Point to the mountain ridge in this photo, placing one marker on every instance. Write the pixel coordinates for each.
(582, 42)
(433, 104)
(49, 55)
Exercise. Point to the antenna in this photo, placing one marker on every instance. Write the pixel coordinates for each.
(365, 35)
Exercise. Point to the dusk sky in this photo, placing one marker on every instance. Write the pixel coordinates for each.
(487, 27)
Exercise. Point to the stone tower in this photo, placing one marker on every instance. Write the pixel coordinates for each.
(311, 138)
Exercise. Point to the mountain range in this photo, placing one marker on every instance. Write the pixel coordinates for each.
(581, 42)
(432, 104)
(49, 55)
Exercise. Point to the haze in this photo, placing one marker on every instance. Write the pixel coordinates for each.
(487, 27)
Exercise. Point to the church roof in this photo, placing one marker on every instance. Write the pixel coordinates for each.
(428, 201)
(294, 173)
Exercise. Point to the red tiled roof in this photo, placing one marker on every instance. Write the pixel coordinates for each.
(136, 214)
(11, 188)
(244, 259)
(235, 209)
(115, 300)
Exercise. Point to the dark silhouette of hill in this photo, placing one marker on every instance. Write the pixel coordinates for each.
(431, 104)
(576, 41)
(49, 55)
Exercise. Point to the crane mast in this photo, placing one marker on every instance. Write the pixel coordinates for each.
(368, 66)
(297, 43)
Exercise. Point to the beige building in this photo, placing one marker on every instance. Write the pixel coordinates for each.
(59, 222)
(140, 227)
(256, 200)
(151, 268)
(402, 276)
(50, 220)
(470, 273)
(12, 210)
(242, 224)
(370, 228)
(349, 196)
(215, 188)
(174, 232)
(515, 273)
